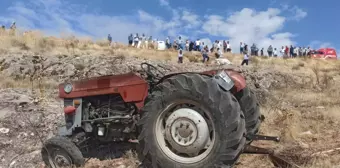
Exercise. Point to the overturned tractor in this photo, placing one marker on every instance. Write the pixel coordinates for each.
(189, 120)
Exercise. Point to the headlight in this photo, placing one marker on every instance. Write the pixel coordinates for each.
(68, 88)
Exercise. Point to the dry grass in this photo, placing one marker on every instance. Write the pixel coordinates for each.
(305, 112)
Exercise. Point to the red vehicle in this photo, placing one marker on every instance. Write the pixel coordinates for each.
(190, 119)
(326, 53)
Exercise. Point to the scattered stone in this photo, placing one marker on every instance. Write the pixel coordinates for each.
(4, 130)
(306, 133)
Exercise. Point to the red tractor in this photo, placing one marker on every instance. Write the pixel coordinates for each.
(189, 120)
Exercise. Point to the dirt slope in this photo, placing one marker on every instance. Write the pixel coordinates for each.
(299, 99)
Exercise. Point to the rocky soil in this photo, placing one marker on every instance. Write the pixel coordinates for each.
(26, 111)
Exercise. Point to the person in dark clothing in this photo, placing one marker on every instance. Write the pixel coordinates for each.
(262, 52)
(291, 51)
(191, 46)
(205, 54)
(253, 49)
(245, 49)
(241, 47)
(130, 38)
(109, 38)
(224, 46)
(270, 50)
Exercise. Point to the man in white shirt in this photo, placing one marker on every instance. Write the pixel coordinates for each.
(136, 40)
(198, 45)
(245, 59)
(180, 56)
(282, 51)
(275, 52)
(219, 53)
(296, 51)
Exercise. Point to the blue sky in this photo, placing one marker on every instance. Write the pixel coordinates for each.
(284, 22)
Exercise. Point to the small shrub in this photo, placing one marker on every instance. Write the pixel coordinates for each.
(326, 81)
(20, 44)
(296, 67)
(255, 61)
(192, 57)
(316, 72)
(79, 67)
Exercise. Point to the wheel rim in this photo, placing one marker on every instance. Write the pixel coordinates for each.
(184, 132)
(58, 159)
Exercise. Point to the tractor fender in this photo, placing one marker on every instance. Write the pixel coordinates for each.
(239, 80)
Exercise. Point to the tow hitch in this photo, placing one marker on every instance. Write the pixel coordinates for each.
(276, 160)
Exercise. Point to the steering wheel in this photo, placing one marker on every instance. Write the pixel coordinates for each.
(152, 71)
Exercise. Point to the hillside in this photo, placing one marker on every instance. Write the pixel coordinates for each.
(299, 97)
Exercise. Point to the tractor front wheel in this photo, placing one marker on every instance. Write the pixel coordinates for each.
(59, 152)
(189, 121)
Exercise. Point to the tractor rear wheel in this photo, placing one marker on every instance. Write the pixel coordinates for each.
(251, 110)
(189, 121)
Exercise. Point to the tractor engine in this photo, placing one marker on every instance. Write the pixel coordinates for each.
(108, 117)
(105, 107)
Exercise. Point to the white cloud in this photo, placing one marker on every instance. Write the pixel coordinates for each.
(164, 2)
(250, 26)
(295, 13)
(55, 17)
(191, 19)
(316, 44)
(298, 13)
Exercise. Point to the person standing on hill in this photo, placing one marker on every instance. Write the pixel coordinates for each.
(275, 52)
(291, 51)
(228, 47)
(205, 54)
(300, 52)
(308, 50)
(13, 28)
(224, 46)
(135, 40)
(296, 51)
(167, 42)
(245, 59)
(3, 30)
(180, 43)
(130, 39)
(245, 48)
(191, 46)
(241, 47)
(109, 38)
(253, 49)
(198, 45)
(282, 51)
(218, 53)
(287, 51)
(180, 56)
(270, 50)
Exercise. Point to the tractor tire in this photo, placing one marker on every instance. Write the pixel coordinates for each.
(195, 100)
(251, 110)
(60, 152)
